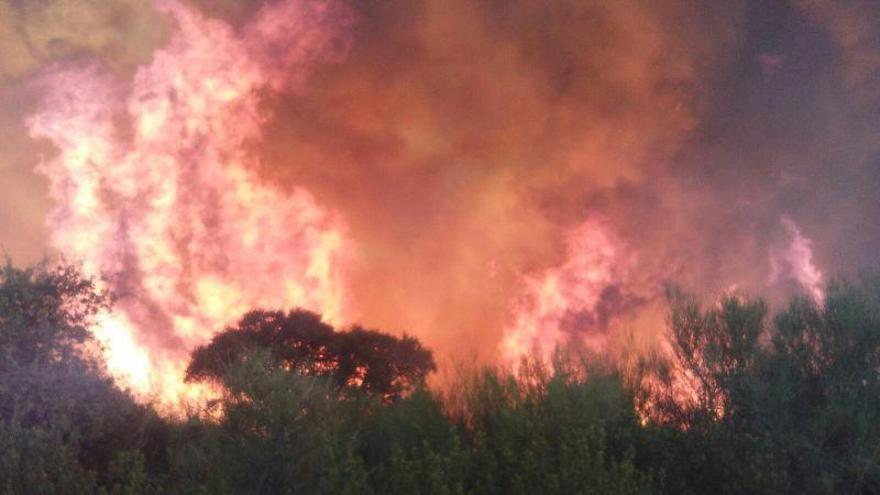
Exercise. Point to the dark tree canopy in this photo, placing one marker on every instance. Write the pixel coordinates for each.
(299, 341)
(744, 403)
(788, 404)
(64, 424)
(45, 314)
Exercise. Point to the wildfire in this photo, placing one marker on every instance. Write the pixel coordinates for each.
(155, 191)
(564, 305)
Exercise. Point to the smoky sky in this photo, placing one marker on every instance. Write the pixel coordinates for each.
(459, 140)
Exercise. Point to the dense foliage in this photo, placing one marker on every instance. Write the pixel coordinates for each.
(64, 426)
(744, 403)
(300, 342)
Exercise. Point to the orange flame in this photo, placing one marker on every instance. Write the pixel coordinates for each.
(166, 207)
(595, 261)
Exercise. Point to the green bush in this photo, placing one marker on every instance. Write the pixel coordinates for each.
(64, 425)
(788, 404)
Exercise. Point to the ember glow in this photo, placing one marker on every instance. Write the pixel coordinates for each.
(494, 178)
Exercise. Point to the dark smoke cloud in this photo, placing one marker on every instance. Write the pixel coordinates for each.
(799, 140)
(460, 139)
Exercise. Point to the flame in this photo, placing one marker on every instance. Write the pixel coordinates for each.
(558, 300)
(798, 259)
(155, 190)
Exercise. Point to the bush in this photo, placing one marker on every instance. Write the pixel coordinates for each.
(64, 425)
(746, 404)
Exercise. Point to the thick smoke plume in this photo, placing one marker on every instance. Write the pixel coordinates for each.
(494, 177)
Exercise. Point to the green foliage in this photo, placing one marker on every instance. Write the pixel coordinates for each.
(718, 349)
(824, 385)
(283, 432)
(788, 405)
(279, 432)
(414, 447)
(64, 426)
(40, 460)
(567, 430)
(745, 404)
(45, 315)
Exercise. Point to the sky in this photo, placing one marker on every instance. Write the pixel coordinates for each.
(494, 174)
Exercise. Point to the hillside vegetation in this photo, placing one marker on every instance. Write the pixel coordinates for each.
(747, 402)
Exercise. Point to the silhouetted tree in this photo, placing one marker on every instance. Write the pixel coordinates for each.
(818, 392)
(708, 396)
(718, 350)
(45, 315)
(300, 342)
(784, 405)
(279, 432)
(751, 405)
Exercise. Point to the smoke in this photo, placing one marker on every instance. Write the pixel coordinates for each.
(797, 261)
(495, 174)
(122, 33)
(462, 140)
(571, 305)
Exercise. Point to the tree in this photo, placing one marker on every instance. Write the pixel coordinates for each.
(45, 314)
(300, 342)
(709, 395)
(823, 373)
(717, 350)
(279, 432)
(64, 425)
(789, 404)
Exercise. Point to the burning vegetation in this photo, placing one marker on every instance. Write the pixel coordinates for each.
(742, 402)
(203, 181)
(237, 193)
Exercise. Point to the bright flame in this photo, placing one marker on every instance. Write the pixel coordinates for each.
(560, 303)
(154, 188)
